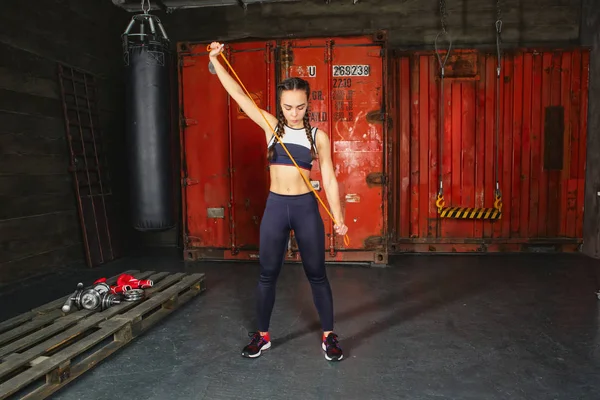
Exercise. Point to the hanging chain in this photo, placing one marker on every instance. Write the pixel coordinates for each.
(498, 11)
(443, 14)
(498, 74)
(444, 32)
(145, 9)
(498, 29)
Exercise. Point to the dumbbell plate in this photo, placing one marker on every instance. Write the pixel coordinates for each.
(102, 288)
(133, 294)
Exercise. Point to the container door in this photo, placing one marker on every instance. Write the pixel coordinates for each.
(225, 179)
(540, 150)
(347, 102)
(249, 174)
(205, 157)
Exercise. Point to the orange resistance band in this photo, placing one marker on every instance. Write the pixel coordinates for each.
(346, 238)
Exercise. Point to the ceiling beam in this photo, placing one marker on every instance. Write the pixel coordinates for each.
(170, 5)
(136, 6)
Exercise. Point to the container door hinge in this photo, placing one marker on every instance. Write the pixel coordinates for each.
(378, 116)
(268, 50)
(380, 36)
(286, 57)
(374, 242)
(187, 62)
(188, 122)
(377, 179)
(190, 182)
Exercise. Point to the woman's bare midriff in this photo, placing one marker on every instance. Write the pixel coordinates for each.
(286, 180)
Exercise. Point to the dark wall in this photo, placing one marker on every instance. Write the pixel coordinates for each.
(410, 23)
(590, 35)
(39, 224)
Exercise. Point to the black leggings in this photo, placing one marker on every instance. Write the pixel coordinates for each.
(300, 213)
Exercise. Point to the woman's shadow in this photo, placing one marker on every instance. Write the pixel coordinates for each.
(423, 289)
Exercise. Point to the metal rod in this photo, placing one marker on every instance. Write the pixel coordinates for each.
(330, 129)
(182, 154)
(129, 27)
(152, 28)
(231, 177)
(162, 31)
(498, 74)
(268, 58)
(442, 103)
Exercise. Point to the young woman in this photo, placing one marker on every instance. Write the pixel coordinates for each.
(291, 205)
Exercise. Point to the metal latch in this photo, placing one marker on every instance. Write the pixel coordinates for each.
(379, 116)
(188, 122)
(377, 179)
(187, 61)
(190, 182)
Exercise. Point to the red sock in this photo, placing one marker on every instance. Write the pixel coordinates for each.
(266, 336)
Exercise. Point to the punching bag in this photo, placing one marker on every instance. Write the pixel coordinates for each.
(148, 124)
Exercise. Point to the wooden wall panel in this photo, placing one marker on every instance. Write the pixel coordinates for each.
(39, 227)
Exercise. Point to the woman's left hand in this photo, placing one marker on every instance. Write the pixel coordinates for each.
(340, 229)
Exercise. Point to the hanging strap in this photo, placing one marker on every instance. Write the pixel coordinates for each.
(346, 238)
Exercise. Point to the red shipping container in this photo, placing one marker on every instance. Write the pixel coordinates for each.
(542, 137)
(224, 167)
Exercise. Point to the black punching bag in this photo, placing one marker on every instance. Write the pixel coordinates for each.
(148, 123)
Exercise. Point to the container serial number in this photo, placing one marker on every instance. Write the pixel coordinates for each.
(351, 70)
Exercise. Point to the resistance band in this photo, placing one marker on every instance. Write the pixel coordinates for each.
(346, 238)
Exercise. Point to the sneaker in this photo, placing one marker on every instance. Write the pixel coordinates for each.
(257, 344)
(331, 347)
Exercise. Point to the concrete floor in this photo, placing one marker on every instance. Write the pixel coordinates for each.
(430, 327)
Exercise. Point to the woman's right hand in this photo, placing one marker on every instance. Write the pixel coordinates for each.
(215, 49)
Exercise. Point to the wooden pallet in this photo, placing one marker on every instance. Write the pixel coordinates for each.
(44, 349)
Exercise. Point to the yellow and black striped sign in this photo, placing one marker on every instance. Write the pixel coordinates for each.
(470, 213)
